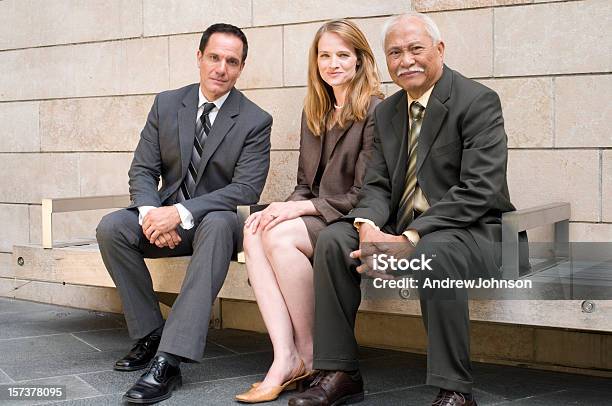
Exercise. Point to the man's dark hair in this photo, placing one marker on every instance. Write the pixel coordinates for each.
(225, 29)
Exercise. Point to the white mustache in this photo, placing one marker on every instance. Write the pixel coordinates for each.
(411, 70)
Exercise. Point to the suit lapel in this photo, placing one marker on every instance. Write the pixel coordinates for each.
(334, 138)
(186, 127)
(399, 121)
(435, 113)
(221, 127)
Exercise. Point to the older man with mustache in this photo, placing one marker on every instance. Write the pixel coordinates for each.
(436, 186)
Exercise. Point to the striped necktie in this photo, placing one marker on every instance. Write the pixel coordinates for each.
(203, 126)
(405, 211)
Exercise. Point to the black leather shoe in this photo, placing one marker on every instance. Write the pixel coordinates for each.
(331, 388)
(156, 384)
(139, 357)
(449, 398)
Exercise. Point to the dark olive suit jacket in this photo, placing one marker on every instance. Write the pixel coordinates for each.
(461, 163)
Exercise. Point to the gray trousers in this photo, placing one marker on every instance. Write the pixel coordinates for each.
(210, 243)
(445, 314)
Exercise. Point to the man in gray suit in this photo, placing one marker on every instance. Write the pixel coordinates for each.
(435, 187)
(210, 146)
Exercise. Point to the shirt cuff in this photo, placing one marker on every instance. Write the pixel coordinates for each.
(142, 212)
(186, 216)
(412, 236)
(358, 221)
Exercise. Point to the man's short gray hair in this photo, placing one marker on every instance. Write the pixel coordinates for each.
(430, 25)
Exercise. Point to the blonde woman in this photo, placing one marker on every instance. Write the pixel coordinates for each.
(335, 144)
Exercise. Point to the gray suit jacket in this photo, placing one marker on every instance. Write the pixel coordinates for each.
(234, 163)
(461, 163)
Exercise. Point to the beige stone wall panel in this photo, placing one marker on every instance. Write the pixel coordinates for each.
(567, 37)
(607, 186)
(527, 105)
(67, 227)
(272, 12)
(108, 68)
(14, 229)
(163, 17)
(537, 177)
(6, 265)
(264, 63)
(281, 177)
(35, 23)
(468, 36)
(582, 113)
(183, 62)
(93, 124)
(27, 178)
(19, 132)
(591, 232)
(285, 105)
(296, 43)
(104, 173)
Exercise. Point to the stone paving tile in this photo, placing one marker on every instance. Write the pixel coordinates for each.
(27, 350)
(518, 383)
(392, 372)
(240, 341)
(210, 369)
(60, 320)
(565, 397)
(75, 388)
(45, 364)
(420, 395)
(15, 306)
(4, 378)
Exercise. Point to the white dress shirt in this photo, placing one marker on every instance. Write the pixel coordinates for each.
(186, 216)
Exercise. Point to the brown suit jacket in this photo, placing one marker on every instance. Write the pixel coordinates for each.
(343, 175)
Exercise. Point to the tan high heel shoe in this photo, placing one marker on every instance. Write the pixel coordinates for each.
(254, 395)
(293, 386)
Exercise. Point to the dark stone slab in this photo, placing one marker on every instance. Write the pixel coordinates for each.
(240, 341)
(104, 400)
(518, 383)
(420, 395)
(61, 320)
(75, 387)
(392, 372)
(45, 364)
(254, 364)
(564, 397)
(26, 350)
(108, 340)
(21, 306)
(4, 378)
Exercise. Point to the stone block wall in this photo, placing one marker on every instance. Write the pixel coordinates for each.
(78, 79)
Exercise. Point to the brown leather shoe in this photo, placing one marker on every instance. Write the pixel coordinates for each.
(331, 388)
(449, 398)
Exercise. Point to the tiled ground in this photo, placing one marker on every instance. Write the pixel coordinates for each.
(43, 344)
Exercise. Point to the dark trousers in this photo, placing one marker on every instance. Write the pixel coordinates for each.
(210, 243)
(338, 295)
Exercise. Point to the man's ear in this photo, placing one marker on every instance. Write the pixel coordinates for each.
(199, 56)
(440, 47)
